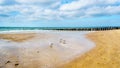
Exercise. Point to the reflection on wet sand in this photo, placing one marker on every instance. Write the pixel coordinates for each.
(42, 49)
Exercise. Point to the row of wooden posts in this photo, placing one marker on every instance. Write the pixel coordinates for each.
(90, 29)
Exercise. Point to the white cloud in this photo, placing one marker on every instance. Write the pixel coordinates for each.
(113, 9)
(75, 5)
(36, 1)
(54, 10)
(94, 10)
(41, 3)
(102, 11)
(1, 1)
(112, 1)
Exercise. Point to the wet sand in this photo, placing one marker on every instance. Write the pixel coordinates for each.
(42, 49)
(106, 54)
(17, 37)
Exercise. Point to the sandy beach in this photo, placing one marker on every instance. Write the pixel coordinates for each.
(106, 54)
(60, 49)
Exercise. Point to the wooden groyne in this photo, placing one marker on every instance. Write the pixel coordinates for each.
(87, 29)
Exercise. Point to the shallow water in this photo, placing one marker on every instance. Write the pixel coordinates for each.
(48, 49)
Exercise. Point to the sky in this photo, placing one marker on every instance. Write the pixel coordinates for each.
(59, 13)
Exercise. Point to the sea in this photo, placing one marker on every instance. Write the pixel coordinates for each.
(36, 28)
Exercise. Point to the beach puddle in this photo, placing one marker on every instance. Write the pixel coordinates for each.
(47, 50)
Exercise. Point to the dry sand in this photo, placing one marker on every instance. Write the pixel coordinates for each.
(106, 54)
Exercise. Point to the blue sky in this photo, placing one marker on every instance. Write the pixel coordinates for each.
(59, 13)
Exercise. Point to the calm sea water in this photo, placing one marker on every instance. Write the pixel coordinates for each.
(20, 28)
(35, 28)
